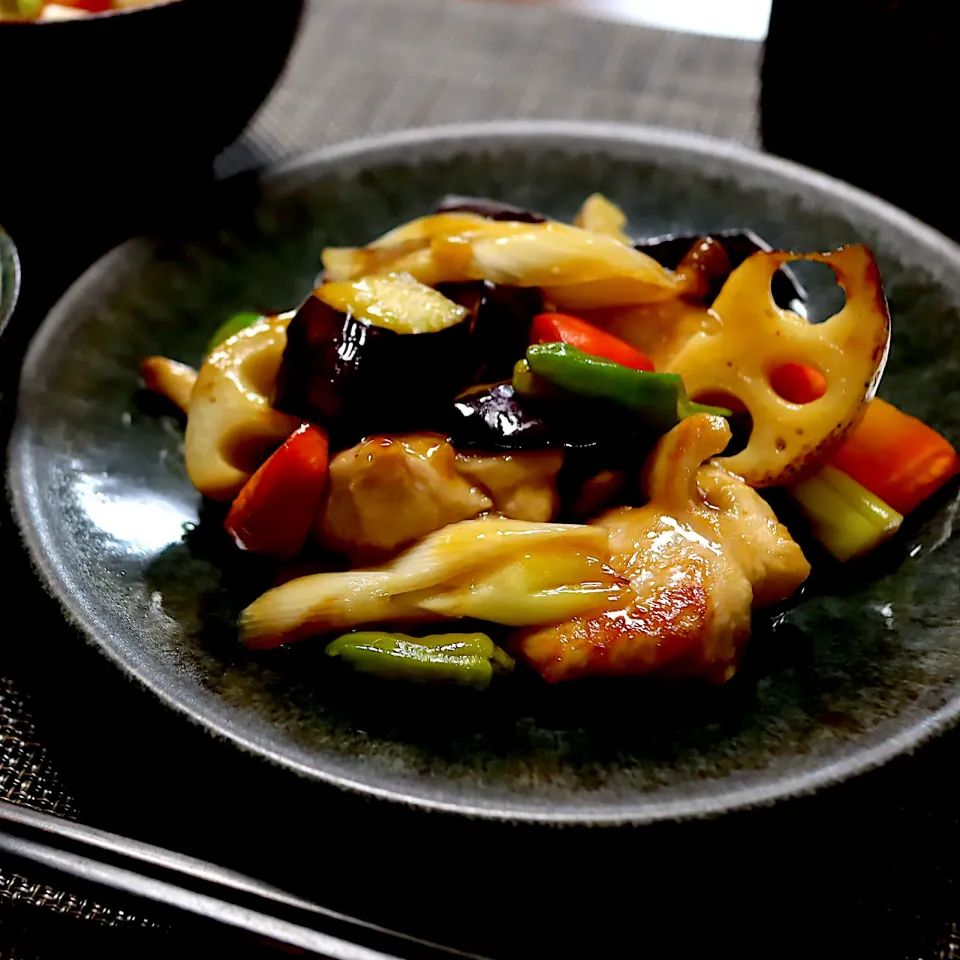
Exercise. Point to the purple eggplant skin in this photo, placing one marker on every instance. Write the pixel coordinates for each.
(485, 207)
(670, 249)
(500, 318)
(494, 419)
(354, 379)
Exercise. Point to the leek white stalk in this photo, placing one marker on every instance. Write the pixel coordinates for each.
(505, 571)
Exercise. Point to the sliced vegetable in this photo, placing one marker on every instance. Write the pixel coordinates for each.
(409, 248)
(495, 418)
(557, 255)
(499, 323)
(844, 516)
(484, 207)
(498, 418)
(91, 6)
(756, 338)
(232, 426)
(424, 229)
(358, 379)
(504, 571)
(560, 328)
(658, 399)
(444, 249)
(897, 457)
(464, 659)
(236, 323)
(170, 379)
(528, 385)
(274, 511)
(599, 215)
(394, 301)
(54, 12)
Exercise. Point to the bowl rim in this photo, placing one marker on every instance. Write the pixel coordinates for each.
(10, 277)
(25, 489)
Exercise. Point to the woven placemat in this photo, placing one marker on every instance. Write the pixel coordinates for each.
(371, 66)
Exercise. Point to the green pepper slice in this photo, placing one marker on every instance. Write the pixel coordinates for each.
(464, 659)
(659, 399)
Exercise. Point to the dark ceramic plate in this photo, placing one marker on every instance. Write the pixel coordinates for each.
(867, 667)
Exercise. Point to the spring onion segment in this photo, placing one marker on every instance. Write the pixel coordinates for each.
(510, 572)
(845, 517)
(550, 255)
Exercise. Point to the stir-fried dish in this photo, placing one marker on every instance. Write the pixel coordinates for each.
(488, 436)
(65, 9)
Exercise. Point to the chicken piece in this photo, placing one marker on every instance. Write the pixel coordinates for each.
(390, 490)
(522, 486)
(699, 557)
(598, 492)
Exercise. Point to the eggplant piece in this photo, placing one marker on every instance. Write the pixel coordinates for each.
(500, 317)
(496, 418)
(356, 379)
(671, 249)
(485, 207)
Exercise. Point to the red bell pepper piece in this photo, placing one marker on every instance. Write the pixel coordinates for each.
(898, 458)
(91, 6)
(560, 328)
(275, 510)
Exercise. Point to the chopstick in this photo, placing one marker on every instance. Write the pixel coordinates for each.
(196, 886)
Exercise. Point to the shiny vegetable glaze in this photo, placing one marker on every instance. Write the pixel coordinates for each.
(488, 415)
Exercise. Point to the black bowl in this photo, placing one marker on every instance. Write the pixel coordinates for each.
(100, 107)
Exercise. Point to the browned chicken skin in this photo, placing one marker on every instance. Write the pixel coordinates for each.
(699, 557)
